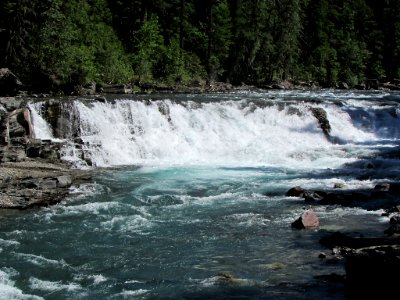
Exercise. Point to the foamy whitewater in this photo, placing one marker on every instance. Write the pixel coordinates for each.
(188, 186)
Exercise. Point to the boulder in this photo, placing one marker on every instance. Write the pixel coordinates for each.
(393, 229)
(64, 181)
(372, 272)
(322, 118)
(9, 83)
(395, 219)
(296, 191)
(307, 220)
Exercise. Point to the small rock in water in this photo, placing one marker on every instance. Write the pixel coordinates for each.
(382, 187)
(307, 220)
(393, 229)
(296, 191)
(339, 185)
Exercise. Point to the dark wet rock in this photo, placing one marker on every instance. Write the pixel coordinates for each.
(393, 229)
(307, 220)
(343, 86)
(372, 272)
(314, 196)
(369, 165)
(101, 99)
(322, 118)
(395, 219)
(382, 187)
(296, 191)
(346, 199)
(338, 239)
(391, 210)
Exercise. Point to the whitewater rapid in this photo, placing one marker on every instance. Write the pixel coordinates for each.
(235, 130)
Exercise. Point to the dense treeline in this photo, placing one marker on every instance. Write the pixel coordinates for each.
(181, 41)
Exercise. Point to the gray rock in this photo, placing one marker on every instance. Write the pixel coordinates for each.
(49, 184)
(64, 181)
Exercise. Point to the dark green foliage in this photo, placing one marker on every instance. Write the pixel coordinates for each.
(181, 41)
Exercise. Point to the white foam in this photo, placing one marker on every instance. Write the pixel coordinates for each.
(129, 293)
(8, 291)
(162, 132)
(8, 243)
(41, 261)
(52, 286)
(135, 223)
(97, 279)
(92, 208)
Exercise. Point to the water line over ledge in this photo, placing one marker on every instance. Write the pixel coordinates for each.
(236, 130)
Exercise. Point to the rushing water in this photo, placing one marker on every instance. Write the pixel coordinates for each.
(193, 186)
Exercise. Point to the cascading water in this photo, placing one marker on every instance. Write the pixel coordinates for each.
(197, 189)
(228, 132)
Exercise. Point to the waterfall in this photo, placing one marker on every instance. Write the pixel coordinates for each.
(244, 132)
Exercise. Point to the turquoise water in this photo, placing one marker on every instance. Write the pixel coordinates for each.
(187, 187)
(157, 233)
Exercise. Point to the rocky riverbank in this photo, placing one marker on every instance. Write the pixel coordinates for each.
(31, 171)
(370, 262)
(10, 85)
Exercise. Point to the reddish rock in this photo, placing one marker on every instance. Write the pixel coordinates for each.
(307, 220)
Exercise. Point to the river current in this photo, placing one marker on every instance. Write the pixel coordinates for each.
(189, 187)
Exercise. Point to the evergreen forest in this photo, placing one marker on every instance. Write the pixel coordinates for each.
(253, 42)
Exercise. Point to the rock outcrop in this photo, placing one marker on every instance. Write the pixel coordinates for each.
(322, 118)
(31, 171)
